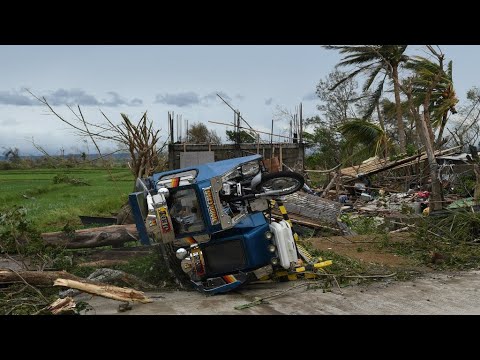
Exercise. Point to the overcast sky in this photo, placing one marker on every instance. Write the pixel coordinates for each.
(183, 79)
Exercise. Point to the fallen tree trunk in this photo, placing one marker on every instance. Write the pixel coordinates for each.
(45, 278)
(115, 235)
(103, 263)
(108, 291)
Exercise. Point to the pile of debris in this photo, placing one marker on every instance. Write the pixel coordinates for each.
(380, 187)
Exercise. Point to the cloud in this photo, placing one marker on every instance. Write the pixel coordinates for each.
(268, 101)
(71, 97)
(116, 100)
(190, 98)
(136, 102)
(240, 97)
(15, 98)
(310, 96)
(180, 99)
(65, 97)
(213, 98)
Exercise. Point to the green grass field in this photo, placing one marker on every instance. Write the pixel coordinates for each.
(51, 206)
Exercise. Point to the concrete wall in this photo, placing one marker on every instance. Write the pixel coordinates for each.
(195, 158)
(292, 154)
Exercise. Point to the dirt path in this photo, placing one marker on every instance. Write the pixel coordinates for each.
(364, 248)
(439, 293)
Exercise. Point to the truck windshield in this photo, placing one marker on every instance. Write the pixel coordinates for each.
(185, 212)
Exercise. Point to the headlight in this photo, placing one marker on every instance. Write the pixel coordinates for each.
(268, 235)
(181, 253)
(274, 261)
(250, 168)
(231, 175)
(271, 248)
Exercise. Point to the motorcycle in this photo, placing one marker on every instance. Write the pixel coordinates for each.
(211, 222)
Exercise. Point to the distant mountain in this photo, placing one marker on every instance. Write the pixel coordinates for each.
(116, 156)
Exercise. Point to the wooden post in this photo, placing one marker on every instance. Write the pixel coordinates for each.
(281, 157)
(330, 184)
(337, 182)
(301, 124)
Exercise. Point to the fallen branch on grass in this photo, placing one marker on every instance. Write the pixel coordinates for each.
(406, 228)
(106, 276)
(107, 291)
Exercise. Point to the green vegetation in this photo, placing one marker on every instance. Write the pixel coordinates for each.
(151, 269)
(19, 235)
(52, 205)
(448, 242)
(364, 225)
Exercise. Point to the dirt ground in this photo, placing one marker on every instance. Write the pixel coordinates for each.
(364, 248)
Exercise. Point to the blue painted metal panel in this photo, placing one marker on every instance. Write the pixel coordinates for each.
(253, 238)
(209, 170)
(139, 220)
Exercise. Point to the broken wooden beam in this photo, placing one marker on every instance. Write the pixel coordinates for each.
(115, 235)
(107, 291)
(310, 224)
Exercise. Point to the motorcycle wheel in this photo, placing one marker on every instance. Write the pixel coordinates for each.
(287, 182)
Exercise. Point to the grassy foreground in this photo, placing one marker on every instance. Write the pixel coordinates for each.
(53, 205)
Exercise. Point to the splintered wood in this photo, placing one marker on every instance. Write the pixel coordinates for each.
(108, 291)
(62, 305)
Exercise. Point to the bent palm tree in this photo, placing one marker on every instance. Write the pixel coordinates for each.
(433, 88)
(359, 131)
(374, 60)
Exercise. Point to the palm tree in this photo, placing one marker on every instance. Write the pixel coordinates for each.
(363, 132)
(433, 88)
(374, 60)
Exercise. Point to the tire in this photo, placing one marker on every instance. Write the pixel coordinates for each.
(268, 180)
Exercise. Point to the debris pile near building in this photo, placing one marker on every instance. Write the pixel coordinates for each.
(386, 188)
